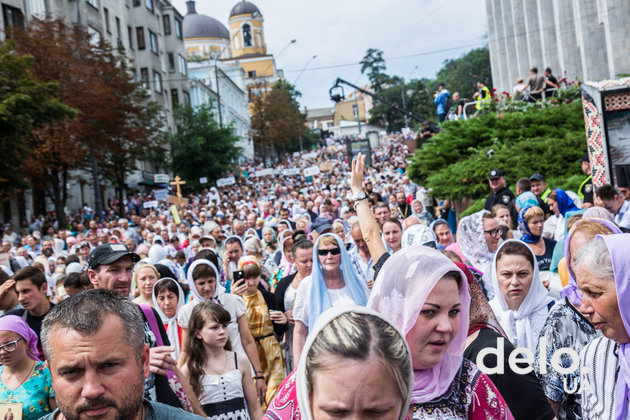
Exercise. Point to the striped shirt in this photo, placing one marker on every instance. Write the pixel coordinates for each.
(599, 365)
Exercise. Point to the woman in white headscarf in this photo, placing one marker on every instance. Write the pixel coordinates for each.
(168, 299)
(478, 237)
(521, 302)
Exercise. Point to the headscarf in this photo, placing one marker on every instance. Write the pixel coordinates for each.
(597, 212)
(571, 291)
(250, 232)
(565, 203)
(157, 253)
(285, 265)
(435, 224)
(618, 248)
(319, 298)
(219, 290)
(523, 325)
(287, 224)
(481, 314)
(19, 326)
(304, 402)
(399, 292)
(172, 330)
(527, 236)
(527, 198)
(419, 235)
(472, 242)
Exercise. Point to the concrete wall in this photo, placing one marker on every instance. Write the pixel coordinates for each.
(589, 39)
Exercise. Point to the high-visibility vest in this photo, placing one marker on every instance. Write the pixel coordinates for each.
(580, 194)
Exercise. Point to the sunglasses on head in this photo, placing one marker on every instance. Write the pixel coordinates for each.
(324, 252)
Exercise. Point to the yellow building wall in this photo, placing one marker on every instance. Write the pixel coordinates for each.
(263, 68)
(236, 35)
(343, 110)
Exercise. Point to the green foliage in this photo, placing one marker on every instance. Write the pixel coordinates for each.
(25, 104)
(462, 74)
(200, 147)
(455, 163)
(416, 100)
(374, 64)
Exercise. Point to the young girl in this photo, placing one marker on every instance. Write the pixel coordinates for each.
(220, 377)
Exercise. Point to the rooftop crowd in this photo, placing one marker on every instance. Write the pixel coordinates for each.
(347, 293)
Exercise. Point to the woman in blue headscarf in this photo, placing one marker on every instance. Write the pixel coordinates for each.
(560, 202)
(333, 282)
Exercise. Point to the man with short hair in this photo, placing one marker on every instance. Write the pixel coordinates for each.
(360, 255)
(99, 361)
(381, 213)
(535, 83)
(8, 297)
(541, 190)
(614, 202)
(442, 99)
(110, 267)
(31, 287)
(500, 194)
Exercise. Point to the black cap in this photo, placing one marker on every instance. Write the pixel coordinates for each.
(537, 177)
(108, 253)
(321, 225)
(585, 158)
(495, 174)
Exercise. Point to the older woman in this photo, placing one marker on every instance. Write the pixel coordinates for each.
(566, 327)
(426, 296)
(602, 272)
(269, 240)
(168, 299)
(521, 302)
(333, 282)
(24, 379)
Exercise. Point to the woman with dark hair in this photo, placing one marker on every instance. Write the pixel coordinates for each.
(392, 233)
(521, 302)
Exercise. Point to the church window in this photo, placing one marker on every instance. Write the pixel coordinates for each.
(247, 35)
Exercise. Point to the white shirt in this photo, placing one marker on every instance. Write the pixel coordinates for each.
(623, 217)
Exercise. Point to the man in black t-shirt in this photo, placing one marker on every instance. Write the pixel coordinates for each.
(501, 194)
(31, 287)
(551, 83)
(110, 266)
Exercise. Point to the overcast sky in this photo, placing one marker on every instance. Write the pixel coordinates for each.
(416, 36)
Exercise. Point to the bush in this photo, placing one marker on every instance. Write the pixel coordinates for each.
(455, 163)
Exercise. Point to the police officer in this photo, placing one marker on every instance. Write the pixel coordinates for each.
(501, 194)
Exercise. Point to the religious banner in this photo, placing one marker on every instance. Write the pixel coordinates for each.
(150, 204)
(264, 172)
(224, 182)
(203, 180)
(175, 214)
(161, 195)
(326, 166)
(291, 171)
(4, 260)
(161, 178)
(172, 199)
(313, 170)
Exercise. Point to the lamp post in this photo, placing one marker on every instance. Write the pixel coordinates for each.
(304, 68)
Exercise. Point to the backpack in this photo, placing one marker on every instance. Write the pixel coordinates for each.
(447, 104)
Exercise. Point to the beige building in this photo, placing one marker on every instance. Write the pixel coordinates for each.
(355, 104)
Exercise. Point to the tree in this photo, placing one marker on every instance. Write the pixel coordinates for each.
(201, 148)
(276, 118)
(113, 121)
(462, 74)
(26, 104)
(416, 100)
(374, 64)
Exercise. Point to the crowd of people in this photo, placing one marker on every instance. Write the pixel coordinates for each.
(347, 293)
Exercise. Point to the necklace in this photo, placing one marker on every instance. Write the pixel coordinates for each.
(222, 370)
(24, 379)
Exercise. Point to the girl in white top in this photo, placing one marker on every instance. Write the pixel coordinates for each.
(220, 377)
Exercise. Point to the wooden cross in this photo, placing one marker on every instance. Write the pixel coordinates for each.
(178, 183)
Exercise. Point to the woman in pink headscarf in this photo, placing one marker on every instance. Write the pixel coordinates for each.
(24, 379)
(426, 296)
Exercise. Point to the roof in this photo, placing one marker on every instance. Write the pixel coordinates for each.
(202, 26)
(244, 8)
(316, 113)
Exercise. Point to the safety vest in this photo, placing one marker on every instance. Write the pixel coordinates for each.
(580, 194)
(545, 194)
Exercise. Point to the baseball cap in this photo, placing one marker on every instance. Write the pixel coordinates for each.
(495, 174)
(108, 253)
(537, 177)
(585, 158)
(321, 225)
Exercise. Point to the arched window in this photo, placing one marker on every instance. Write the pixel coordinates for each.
(247, 35)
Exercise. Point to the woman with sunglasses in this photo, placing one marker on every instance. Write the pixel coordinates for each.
(24, 379)
(333, 282)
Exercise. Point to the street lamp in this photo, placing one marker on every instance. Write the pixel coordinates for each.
(304, 68)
